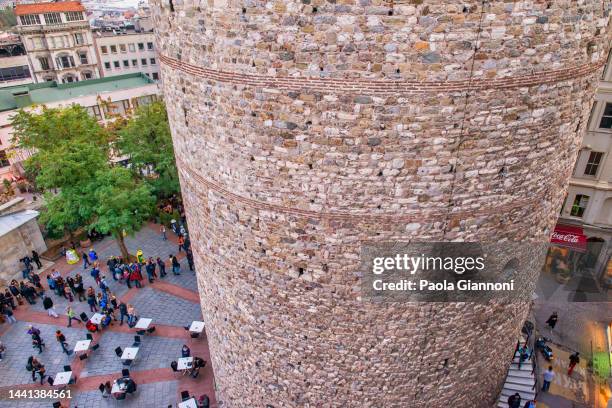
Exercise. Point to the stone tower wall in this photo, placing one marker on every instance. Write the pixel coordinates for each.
(304, 128)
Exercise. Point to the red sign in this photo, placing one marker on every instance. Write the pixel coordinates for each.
(570, 237)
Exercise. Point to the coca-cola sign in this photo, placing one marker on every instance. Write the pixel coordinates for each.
(569, 236)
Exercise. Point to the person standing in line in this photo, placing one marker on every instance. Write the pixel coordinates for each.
(71, 316)
(86, 262)
(36, 259)
(48, 305)
(181, 242)
(61, 339)
(123, 312)
(162, 267)
(574, 359)
(176, 266)
(162, 230)
(549, 375)
(190, 259)
(8, 314)
(552, 321)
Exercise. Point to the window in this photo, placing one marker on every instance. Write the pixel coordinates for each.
(4, 159)
(95, 112)
(134, 63)
(606, 119)
(12, 73)
(87, 75)
(74, 16)
(143, 61)
(44, 63)
(140, 46)
(83, 57)
(70, 78)
(126, 63)
(30, 19)
(104, 49)
(579, 206)
(107, 65)
(122, 48)
(79, 39)
(148, 75)
(150, 45)
(593, 163)
(116, 64)
(113, 49)
(155, 76)
(131, 47)
(65, 61)
(152, 60)
(53, 18)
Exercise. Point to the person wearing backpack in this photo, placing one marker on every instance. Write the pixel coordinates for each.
(61, 339)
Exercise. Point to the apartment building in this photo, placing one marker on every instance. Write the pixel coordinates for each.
(14, 65)
(102, 97)
(122, 51)
(588, 206)
(58, 41)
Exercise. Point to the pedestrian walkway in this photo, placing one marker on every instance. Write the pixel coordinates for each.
(172, 303)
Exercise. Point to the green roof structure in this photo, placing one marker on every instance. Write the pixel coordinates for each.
(20, 96)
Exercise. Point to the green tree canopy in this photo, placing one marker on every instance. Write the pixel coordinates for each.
(147, 141)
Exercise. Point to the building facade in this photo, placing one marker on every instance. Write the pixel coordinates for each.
(14, 64)
(103, 98)
(588, 205)
(58, 41)
(125, 51)
(303, 130)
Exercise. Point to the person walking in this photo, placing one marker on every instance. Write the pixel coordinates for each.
(530, 404)
(48, 305)
(162, 231)
(37, 341)
(176, 266)
(162, 267)
(574, 359)
(71, 316)
(36, 259)
(552, 321)
(61, 339)
(523, 355)
(181, 242)
(37, 368)
(514, 401)
(549, 375)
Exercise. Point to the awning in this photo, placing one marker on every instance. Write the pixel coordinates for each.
(569, 236)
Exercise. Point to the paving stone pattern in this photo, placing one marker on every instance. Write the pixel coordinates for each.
(18, 344)
(155, 395)
(164, 308)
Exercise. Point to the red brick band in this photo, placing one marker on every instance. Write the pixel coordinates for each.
(381, 87)
(191, 175)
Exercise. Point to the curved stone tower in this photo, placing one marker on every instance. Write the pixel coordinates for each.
(304, 128)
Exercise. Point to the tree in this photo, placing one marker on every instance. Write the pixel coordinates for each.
(122, 204)
(146, 139)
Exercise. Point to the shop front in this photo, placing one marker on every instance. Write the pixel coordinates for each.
(568, 244)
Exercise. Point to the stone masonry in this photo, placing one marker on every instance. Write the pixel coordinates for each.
(304, 128)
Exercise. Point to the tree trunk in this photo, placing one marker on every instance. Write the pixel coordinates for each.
(121, 242)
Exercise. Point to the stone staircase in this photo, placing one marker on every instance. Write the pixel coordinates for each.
(521, 381)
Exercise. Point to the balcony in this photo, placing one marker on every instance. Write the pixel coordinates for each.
(30, 29)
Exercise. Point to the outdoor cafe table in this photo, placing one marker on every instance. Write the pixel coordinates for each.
(190, 403)
(97, 318)
(62, 378)
(143, 323)
(184, 363)
(129, 353)
(196, 327)
(81, 345)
